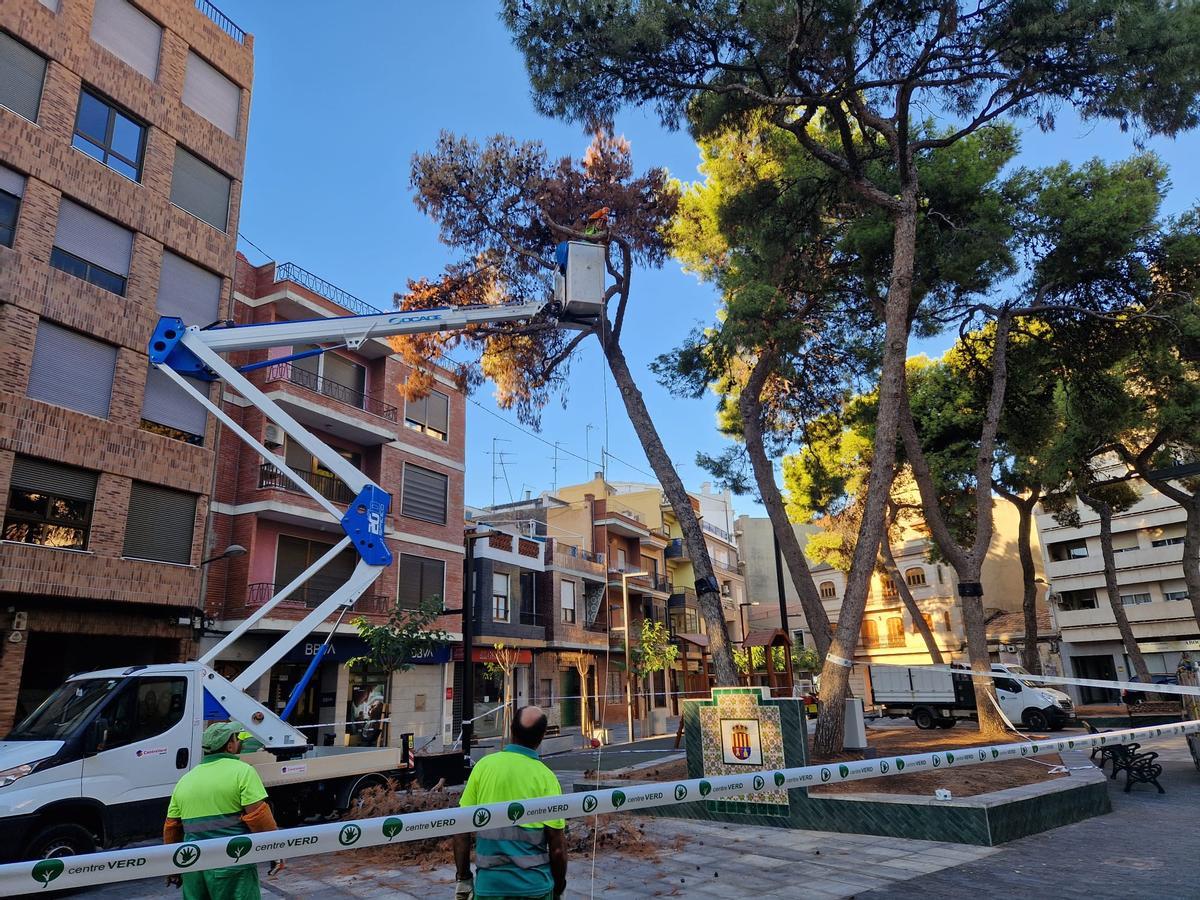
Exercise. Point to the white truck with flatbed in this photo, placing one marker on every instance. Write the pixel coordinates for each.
(937, 696)
(94, 765)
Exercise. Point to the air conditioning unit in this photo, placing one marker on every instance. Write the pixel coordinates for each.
(273, 437)
(726, 589)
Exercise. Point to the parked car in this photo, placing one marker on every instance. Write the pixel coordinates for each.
(1133, 698)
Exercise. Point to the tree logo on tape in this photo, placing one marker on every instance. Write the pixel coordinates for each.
(844, 771)
(392, 827)
(515, 811)
(680, 791)
(705, 788)
(995, 753)
(899, 765)
(481, 818)
(949, 759)
(349, 835)
(186, 856)
(238, 847)
(590, 803)
(779, 779)
(618, 799)
(47, 870)
(759, 782)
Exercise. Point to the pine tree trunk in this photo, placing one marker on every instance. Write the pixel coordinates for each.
(835, 673)
(750, 404)
(910, 603)
(1113, 590)
(693, 536)
(991, 720)
(1030, 658)
(1191, 554)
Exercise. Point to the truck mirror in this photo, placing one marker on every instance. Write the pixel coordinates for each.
(93, 741)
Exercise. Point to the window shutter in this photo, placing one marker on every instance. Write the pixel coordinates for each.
(415, 410)
(22, 73)
(129, 34)
(160, 524)
(166, 403)
(94, 238)
(211, 94)
(59, 358)
(65, 481)
(437, 411)
(409, 596)
(12, 182)
(188, 291)
(200, 189)
(424, 494)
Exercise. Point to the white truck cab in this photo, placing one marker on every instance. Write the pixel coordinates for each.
(1028, 703)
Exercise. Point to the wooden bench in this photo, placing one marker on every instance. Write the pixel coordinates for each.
(1139, 768)
(1153, 709)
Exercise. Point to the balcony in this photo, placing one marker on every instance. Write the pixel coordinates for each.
(893, 642)
(682, 597)
(677, 550)
(588, 563)
(355, 416)
(328, 486)
(221, 20)
(313, 594)
(717, 532)
(732, 567)
(625, 523)
(322, 288)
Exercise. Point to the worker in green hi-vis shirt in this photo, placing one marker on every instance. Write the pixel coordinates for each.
(525, 861)
(221, 797)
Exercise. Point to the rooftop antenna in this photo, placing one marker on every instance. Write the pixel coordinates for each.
(554, 480)
(587, 451)
(498, 456)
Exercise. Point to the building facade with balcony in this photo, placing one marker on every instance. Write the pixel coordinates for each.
(1148, 550)
(414, 449)
(122, 141)
(888, 633)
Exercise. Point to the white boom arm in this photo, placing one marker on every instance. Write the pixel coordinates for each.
(180, 350)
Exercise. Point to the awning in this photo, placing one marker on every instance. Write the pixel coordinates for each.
(344, 647)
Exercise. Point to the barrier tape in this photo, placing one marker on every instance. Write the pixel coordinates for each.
(194, 856)
(1178, 689)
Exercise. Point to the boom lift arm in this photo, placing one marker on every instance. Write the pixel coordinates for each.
(181, 350)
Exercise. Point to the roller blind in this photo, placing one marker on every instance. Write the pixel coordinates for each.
(188, 291)
(432, 410)
(160, 524)
(421, 578)
(211, 94)
(92, 237)
(166, 403)
(424, 494)
(51, 478)
(129, 34)
(12, 182)
(22, 73)
(200, 189)
(72, 370)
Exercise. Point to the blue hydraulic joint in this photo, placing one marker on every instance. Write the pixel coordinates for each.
(298, 690)
(364, 523)
(166, 347)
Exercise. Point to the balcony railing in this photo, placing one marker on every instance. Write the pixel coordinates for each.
(321, 287)
(676, 549)
(719, 532)
(684, 596)
(332, 389)
(726, 566)
(221, 20)
(313, 594)
(885, 643)
(529, 617)
(570, 550)
(327, 486)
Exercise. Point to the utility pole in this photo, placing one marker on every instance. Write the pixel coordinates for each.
(587, 450)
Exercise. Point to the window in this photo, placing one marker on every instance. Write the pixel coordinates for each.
(889, 587)
(946, 620)
(568, 602)
(295, 554)
(622, 561)
(167, 409)
(91, 247)
(1007, 684)
(429, 415)
(22, 74)
(499, 597)
(870, 633)
(160, 525)
(1167, 542)
(331, 375)
(200, 189)
(12, 189)
(129, 34)
(49, 505)
(895, 629)
(145, 709)
(1134, 599)
(424, 494)
(421, 579)
(915, 577)
(1171, 596)
(188, 291)
(211, 94)
(1125, 541)
(105, 133)
(828, 590)
(928, 617)
(1071, 601)
(59, 356)
(1065, 550)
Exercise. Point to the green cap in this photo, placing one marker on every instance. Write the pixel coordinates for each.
(217, 735)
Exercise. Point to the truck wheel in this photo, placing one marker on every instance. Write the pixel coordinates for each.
(64, 839)
(1037, 720)
(947, 722)
(923, 719)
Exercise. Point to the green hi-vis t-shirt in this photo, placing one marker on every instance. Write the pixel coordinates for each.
(210, 798)
(512, 861)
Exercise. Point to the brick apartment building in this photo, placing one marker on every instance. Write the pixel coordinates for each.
(122, 142)
(414, 450)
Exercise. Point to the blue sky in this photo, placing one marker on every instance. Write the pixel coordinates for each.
(344, 94)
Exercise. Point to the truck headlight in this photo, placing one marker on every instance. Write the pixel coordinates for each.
(8, 776)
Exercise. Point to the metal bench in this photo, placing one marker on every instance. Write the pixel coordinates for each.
(1139, 768)
(1106, 753)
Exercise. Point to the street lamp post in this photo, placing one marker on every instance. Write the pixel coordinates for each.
(742, 609)
(468, 692)
(625, 576)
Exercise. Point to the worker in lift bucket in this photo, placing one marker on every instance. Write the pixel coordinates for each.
(221, 797)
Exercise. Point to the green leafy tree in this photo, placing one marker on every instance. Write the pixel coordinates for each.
(856, 72)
